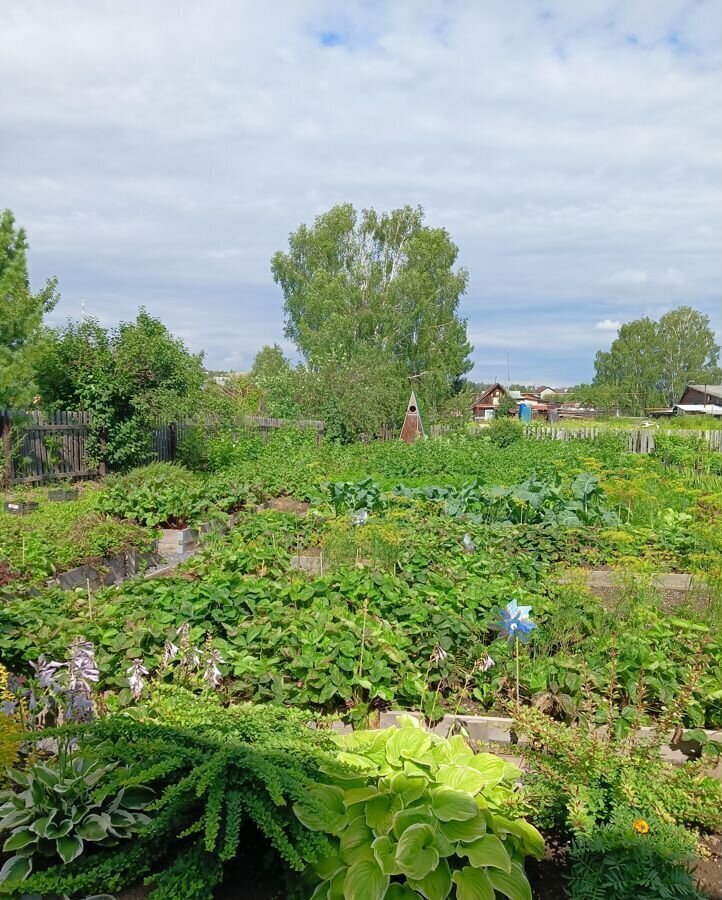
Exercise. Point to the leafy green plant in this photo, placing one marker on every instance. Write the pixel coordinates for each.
(57, 809)
(504, 431)
(170, 496)
(412, 813)
(584, 777)
(59, 536)
(220, 774)
(630, 857)
(346, 495)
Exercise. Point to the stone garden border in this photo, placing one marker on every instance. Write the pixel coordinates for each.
(114, 569)
(611, 579)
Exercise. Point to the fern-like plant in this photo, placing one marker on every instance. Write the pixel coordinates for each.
(216, 771)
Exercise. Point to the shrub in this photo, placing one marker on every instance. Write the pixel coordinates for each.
(503, 432)
(625, 808)
(582, 778)
(215, 771)
(411, 811)
(631, 857)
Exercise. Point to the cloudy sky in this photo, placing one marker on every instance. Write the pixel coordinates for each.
(159, 153)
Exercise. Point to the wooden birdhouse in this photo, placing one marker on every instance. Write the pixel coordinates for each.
(412, 427)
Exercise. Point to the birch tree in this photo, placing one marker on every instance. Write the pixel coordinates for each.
(382, 286)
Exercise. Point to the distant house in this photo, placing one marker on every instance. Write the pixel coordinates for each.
(486, 404)
(545, 391)
(700, 398)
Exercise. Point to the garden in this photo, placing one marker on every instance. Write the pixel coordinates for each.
(394, 676)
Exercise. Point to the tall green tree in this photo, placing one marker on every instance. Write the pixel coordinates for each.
(632, 366)
(649, 363)
(126, 377)
(277, 381)
(688, 351)
(381, 286)
(21, 314)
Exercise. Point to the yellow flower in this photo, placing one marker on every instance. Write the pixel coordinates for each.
(640, 826)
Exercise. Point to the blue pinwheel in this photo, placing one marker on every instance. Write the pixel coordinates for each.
(515, 624)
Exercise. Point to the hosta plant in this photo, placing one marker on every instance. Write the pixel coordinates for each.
(412, 814)
(55, 809)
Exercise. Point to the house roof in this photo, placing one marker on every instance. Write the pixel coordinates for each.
(712, 409)
(490, 390)
(714, 390)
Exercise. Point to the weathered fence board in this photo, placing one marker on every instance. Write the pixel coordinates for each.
(44, 446)
(39, 446)
(640, 440)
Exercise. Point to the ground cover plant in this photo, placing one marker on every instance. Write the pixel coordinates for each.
(170, 496)
(416, 551)
(56, 537)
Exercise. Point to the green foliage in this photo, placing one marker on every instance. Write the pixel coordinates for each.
(59, 536)
(687, 451)
(347, 496)
(362, 635)
(11, 719)
(507, 407)
(586, 780)
(503, 432)
(278, 383)
(616, 862)
(217, 773)
(534, 501)
(410, 808)
(57, 809)
(649, 363)
(166, 495)
(371, 299)
(626, 809)
(21, 314)
(125, 377)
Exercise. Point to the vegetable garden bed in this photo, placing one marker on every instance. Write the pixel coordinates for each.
(456, 539)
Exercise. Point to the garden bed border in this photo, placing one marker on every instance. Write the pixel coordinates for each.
(114, 569)
(500, 730)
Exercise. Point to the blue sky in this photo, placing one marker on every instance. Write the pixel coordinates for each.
(158, 154)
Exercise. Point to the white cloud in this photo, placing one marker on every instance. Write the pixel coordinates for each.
(160, 153)
(608, 325)
(638, 278)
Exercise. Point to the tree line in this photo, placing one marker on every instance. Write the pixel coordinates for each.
(371, 303)
(649, 363)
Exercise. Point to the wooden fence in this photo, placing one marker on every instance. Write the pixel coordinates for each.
(38, 447)
(640, 440)
(44, 446)
(168, 437)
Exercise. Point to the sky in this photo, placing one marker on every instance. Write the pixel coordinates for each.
(159, 153)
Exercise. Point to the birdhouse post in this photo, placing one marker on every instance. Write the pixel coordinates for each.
(412, 427)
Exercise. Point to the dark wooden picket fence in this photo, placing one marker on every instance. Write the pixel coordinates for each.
(40, 446)
(44, 446)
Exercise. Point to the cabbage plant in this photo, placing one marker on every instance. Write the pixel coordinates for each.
(411, 814)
